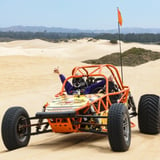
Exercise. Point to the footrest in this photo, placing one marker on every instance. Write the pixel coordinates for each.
(56, 114)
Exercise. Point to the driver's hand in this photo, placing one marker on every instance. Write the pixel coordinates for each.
(56, 70)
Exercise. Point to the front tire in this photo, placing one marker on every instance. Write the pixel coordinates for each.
(149, 114)
(119, 130)
(15, 133)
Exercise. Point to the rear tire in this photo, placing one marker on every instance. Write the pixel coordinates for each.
(149, 114)
(119, 130)
(14, 135)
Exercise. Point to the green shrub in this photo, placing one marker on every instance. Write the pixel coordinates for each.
(113, 41)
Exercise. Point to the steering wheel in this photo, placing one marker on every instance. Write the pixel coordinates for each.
(99, 90)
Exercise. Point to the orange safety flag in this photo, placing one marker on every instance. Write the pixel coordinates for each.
(119, 17)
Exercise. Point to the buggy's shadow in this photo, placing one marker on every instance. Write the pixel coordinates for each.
(76, 140)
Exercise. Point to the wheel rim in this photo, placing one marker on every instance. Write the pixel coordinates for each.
(22, 130)
(126, 129)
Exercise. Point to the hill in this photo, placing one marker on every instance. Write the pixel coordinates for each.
(20, 28)
(132, 57)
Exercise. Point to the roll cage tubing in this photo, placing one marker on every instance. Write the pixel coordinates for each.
(98, 68)
(110, 67)
(103, 102)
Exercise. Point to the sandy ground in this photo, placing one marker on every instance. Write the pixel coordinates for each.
(26, 79)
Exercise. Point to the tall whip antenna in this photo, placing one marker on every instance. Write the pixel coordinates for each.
(119, 38)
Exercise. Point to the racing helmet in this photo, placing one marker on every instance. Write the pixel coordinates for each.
(78, 83)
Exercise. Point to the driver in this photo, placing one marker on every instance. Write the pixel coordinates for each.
(79, 84)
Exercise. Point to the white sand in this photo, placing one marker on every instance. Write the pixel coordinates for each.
(28, 81)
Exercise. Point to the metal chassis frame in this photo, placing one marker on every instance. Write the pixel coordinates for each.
(97, 104)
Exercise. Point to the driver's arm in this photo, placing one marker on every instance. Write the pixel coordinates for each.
(68, 85)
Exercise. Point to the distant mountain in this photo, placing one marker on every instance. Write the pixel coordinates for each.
(72, 30)
(47, 29)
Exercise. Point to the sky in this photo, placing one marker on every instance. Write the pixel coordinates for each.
(80, 14)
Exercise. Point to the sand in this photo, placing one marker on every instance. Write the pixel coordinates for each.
(27, 79)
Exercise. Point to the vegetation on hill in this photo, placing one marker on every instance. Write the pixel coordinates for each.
(56, 37)
(131, 37)
(48, 36)
(131, 57)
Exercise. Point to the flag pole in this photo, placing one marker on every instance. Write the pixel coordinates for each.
(119, 38)
(120, 51)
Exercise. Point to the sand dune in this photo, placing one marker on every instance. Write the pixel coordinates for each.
(26, 79)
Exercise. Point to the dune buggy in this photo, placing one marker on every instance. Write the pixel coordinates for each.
(107, 110)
